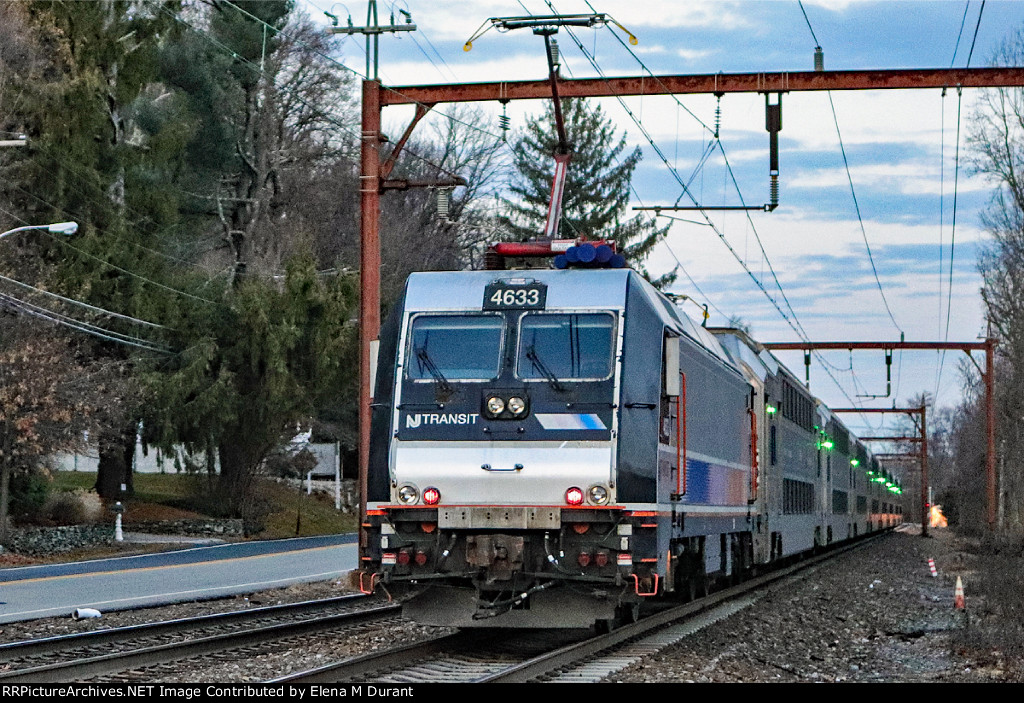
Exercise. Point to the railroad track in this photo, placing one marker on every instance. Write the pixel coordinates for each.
(106, 652)
(482, 656)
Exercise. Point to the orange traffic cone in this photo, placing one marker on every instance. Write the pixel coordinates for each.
(958, 595)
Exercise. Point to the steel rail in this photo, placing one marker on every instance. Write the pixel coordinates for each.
(12, 651)
(366, 666)
(375, 662)
(104, 664)
(565, 656)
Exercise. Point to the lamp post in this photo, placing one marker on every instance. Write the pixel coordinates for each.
(65, 228)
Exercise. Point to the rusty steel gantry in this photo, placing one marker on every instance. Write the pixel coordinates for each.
(987, 346)
(373, 177)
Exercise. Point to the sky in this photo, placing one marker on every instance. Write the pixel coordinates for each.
(901, 148)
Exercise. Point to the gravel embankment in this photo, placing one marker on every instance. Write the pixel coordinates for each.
(875, 615)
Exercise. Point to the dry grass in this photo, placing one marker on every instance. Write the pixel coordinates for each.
(994, 631)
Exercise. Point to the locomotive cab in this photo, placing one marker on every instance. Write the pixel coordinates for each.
(493, 446)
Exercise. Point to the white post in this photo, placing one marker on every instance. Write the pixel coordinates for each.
(118, 534)
(309, 482)
(337, 476)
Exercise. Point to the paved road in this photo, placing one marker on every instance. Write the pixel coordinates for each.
(32, 592)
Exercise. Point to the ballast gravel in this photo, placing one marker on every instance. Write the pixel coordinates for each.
(873, 615)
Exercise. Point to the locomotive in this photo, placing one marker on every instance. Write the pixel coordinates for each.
(558, 447)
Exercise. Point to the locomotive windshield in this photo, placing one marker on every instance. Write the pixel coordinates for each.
(565, 346)
(455, 347)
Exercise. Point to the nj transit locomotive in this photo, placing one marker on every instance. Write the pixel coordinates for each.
(527, 437)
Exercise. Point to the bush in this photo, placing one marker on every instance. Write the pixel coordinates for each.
(996, 627)
(29, 491)
(66, 508)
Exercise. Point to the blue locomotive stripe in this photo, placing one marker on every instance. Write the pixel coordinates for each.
(570, 421)
(714, 484)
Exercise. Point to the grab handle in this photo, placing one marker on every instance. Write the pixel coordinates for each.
(488, 467)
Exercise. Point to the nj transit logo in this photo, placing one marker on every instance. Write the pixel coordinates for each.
(415, 420)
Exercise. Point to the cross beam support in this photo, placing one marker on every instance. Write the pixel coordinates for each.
(922, 438)
(712, 83)
(988, 346)
(376, 97)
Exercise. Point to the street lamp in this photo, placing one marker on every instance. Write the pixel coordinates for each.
(65, 228)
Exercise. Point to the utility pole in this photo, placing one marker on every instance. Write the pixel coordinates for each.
(372, 32)
(373, 183)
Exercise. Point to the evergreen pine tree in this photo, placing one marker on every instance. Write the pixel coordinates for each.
(597, 187)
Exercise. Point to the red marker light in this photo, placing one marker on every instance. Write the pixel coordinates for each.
(421, 558)
(403, 557)
(574, 496)
(583, 559)
(432, 496)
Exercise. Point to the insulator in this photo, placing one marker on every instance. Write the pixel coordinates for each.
(504, 122)
(553, 53)
(774, 191)
(718, 116)
(444, 200)
(819, 59)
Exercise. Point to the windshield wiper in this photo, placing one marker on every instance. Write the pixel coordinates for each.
(428, 363)
(531, 354)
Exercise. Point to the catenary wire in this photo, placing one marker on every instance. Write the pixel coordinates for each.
(794, 322)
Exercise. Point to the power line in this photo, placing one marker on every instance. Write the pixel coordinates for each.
(849, 178)
(341, 65)
(808, 21)
(79, 303)
(794, 323)
(963, 21)
(72, 166)
(79, 325)
(860, 219)
(975, 38)
(63, 241)
(721, 147)
(956, 180)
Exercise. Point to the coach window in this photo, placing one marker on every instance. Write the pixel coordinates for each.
(565, 346)
(455, 347)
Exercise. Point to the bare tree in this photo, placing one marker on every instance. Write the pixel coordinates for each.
(996, 139)
(47, 398)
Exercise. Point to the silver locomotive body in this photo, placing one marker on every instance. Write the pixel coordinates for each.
(554, 448)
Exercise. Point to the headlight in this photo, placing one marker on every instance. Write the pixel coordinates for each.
(598, 495)
(517, 406)
(495, 406)
(408, 494)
